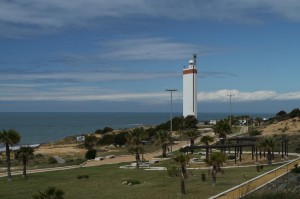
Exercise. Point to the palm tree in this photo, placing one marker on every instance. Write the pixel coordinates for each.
(206, 140)
(192, 135)
(216, 160)
(182, 161)
(134, 140)
(222, 128)
(9, 138)
(49, 193)
(268, 144)
(24, 154)
(163, 138)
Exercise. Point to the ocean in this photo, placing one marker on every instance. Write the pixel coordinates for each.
(37, 128)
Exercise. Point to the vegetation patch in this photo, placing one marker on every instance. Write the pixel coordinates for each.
(82, 176)
(131, 182)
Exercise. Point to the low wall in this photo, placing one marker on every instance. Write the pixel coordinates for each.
(256, 183)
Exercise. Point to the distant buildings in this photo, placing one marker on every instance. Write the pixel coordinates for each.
(190, 89)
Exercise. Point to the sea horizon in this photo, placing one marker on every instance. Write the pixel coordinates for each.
(43, 127)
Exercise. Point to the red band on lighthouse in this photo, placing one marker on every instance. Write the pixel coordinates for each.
(190, 71)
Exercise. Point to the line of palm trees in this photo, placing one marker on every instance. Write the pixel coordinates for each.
(10, 138)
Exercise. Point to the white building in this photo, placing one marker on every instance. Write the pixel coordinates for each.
(190, 89)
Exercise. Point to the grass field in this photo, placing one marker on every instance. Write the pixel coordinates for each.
(106, 182)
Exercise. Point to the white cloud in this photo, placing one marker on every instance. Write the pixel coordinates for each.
(152, 49)
(240, 96)
(36, 15)
(81, 76)
(89, 93)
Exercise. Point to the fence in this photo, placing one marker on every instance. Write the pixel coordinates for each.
(256, 183)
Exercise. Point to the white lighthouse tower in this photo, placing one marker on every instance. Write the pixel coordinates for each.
(190, 88)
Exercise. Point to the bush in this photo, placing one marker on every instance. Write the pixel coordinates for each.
(296, 168)
(91, 154)
(39, 155)
(254, 133)
(172, 171)
(203, 177)
(133, 182)
(82, 176)
(107, 139)
(107, 130)
(75, 161)
(104, 131)
(231, 157)
(52, 160)
(294, 113)
(258, 168)
(120, 139)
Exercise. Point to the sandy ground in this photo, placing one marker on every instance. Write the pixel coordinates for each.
(290, 126)
(60, 149)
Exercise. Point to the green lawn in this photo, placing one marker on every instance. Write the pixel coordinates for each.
(106, 182)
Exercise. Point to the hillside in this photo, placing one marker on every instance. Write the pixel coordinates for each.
(289, 126)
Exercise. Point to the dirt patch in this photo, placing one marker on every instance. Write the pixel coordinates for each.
(60, 149)
(289, 126)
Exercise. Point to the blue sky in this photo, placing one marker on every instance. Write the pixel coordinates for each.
(101, 55)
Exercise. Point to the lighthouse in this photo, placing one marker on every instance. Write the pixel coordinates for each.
(190, 88)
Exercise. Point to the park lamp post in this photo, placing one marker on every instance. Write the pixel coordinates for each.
(230, 96)
(171, 112)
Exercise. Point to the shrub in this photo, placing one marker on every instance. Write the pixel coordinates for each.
(104, 131)
(133, 181)
(296, 168)
(294, 113)
(107, 139)
(203, 177)
(254, 133)
(231, 157)
(39, 155)
(52, 160)
(172, 171)
(120, 139)
(91, 154)
(257, 168)
(107, 130)
(261, 167)
(82, 176)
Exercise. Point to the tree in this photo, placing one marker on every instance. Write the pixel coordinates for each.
(259, 120)
(268, 144)
(181, 160)
(49, 193)
(163, 138)
(216, 160)
(281, 113)
(90, 142)
(206, 140)
(190, 122)
(134, 140)
(294, 113)
(192, 135)
(222, 128)
(120, 138)
(24, 154)
(9, 138)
